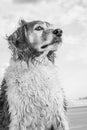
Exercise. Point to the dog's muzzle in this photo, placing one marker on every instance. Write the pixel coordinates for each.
(56, 39)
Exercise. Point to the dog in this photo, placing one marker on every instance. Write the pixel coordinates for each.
(31, 97)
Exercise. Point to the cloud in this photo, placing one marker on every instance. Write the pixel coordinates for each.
(71, 40)
(31, 1)
(78, 54)
(26, 1)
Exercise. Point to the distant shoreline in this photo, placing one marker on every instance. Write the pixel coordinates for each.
(74, 107)
(77, 103)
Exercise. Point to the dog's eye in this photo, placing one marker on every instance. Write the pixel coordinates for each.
(39, 28)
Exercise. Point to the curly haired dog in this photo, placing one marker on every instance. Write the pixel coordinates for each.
(31, 97)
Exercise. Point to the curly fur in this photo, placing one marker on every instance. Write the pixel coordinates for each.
(31, 97)
(4, 108)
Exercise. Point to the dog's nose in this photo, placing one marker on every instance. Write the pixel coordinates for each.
(58, 32)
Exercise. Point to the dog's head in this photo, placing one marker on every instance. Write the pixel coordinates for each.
(33, 39)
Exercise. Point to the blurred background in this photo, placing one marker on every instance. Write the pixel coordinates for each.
(71, 17)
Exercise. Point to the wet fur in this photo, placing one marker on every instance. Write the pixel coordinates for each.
(31, 97)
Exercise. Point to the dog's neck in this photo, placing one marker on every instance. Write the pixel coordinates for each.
(40, 58)
(32, 62)
(20, 67)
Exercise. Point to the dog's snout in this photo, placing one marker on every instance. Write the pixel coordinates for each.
(58, 32)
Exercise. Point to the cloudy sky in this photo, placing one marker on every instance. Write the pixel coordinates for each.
(71, 16)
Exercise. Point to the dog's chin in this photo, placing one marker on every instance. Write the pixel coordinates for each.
(49, 49)
(53, 44)
(52, 48)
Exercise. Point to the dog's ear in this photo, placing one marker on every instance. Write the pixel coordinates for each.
(18, 39)
(22, 22)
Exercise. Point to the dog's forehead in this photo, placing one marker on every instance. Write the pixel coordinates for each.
(36, 23)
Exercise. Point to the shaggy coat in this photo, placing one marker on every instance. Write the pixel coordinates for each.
(31, 97)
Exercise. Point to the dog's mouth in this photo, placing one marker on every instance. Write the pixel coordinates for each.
(45, 46)
(54, 41)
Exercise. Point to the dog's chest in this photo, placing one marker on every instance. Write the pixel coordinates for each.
(35, 83)
(31, 93)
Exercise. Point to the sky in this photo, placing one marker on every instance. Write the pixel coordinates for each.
(71, 17)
